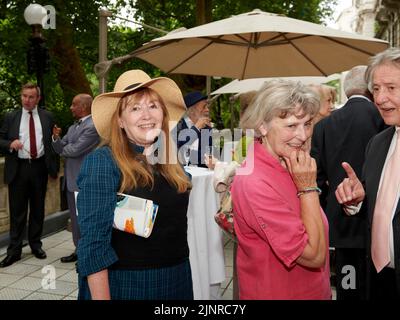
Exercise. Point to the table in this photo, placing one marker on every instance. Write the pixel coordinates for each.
(205, 238)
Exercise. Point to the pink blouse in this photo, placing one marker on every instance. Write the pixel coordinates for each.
(271, 235)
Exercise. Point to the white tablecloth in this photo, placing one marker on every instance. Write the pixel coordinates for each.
(205, 238)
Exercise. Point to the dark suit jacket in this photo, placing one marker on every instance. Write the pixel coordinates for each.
(343, 136)
(376, 152)
(204, 136)
(9, 131)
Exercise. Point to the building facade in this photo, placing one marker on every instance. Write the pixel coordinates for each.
(373, 18)
(388, 21)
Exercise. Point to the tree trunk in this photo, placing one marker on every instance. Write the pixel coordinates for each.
(190, 82)
(203, 11)
(70, 73)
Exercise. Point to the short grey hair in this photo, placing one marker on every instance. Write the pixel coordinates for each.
(279, 98)
(31, 85)
(389, 56)
(355, 82)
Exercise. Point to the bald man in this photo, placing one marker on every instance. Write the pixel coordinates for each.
(80, 139)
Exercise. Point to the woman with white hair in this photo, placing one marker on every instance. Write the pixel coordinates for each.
(281, 229)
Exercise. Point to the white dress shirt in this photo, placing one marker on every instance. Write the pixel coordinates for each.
(390, 152)
(195, 145)
(84, 118)
(25, 152)
(359, 96)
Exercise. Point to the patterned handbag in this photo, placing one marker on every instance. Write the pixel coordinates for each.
(224, 216)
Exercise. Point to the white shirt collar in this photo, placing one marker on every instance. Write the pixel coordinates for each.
(189, 122)
(84, 118)
(359, 96)
(34, 110)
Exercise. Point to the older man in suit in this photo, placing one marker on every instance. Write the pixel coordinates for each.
(193, 131)
(343, 136)
(80, 139)
(25, 138)
(381, 178)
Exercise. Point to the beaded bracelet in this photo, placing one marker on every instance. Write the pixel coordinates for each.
(307, 190)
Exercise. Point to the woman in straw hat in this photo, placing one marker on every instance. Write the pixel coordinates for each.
(137, 159)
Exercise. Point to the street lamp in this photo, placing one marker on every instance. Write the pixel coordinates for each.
(37, 55)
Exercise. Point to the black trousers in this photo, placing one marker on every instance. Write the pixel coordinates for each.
(27, 189)
(74, 219)
(350, 266)
(383, 285)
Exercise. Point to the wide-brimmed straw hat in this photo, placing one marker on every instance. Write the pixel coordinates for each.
(104, 105)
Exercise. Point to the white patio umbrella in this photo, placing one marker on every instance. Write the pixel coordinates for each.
(259, 44)
(241, 86)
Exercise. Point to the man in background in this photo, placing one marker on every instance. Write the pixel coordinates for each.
(25, 139)
(193, 131)
(343, 136)
(80, 139)
(379, 193)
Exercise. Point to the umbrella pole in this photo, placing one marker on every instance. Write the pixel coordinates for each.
(231, 104)
(208, 85)
(103, 15)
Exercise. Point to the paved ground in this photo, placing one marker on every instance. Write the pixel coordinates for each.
(49, 279)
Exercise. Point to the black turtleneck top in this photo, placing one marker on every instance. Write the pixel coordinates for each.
(167, 245)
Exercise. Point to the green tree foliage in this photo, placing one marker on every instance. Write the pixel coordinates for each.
(73, 45)
(169, 15)
(72, 48)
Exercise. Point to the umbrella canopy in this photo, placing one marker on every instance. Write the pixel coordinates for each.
(259, 44)
(241, 86)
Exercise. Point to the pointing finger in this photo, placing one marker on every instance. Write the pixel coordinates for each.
(349, 171)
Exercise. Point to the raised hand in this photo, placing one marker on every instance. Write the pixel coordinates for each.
(303, 169)
(56, 131)
(202, 122)
(351, 190)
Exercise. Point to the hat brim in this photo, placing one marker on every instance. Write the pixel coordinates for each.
(104, 105)
(200, 98)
